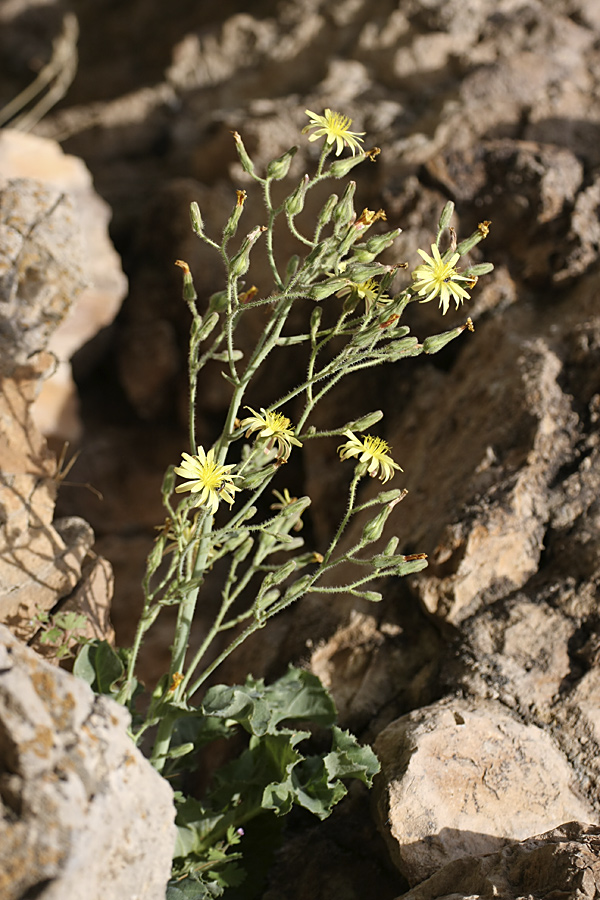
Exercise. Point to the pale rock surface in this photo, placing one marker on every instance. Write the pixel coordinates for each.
(563, 863)
(93, 301)
(40, 560)
(461, 778)
(83, 813)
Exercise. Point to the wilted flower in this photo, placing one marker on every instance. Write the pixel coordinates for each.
(372, 451)
(206, 477)
(435, 277)
(273, 427)
(333, 127)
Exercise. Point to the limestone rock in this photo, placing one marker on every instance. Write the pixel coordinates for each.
(83, 813)
(87, 253)
(40, 562)
(461, 778)
(564, 862)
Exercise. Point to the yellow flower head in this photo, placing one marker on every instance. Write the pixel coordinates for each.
(207, 478)
(273, 427)
(368, 290)
(372, 451)
(333, 127)
(435, 277)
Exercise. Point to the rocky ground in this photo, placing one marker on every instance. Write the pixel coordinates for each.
(478, 680)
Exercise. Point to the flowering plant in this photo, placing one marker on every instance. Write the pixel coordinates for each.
(266, 567)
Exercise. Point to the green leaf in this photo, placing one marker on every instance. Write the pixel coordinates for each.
(99, 665)
(190, 889)
(349, 759)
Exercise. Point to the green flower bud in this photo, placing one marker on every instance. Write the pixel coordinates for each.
(326, 212)
(278, 168)
(343, 212)
(209, 323)
(391, 546)
(240, 263)
(217, 302)
(366, 422)
(344, 245)
(401, 349)
(255, 480)
(232, 223)
(437, 342)
(189, 291)
(362, 255)
(294, 204)
(360, 272)
(168, 484)
(371, 596)
(479, 269)
(247, 164)
(374, 528)
(315, 321)
(380, 242)
(341, 167)
(326, 289)
(196, 218)
(291, 268)
(445, 218)
(474, 239)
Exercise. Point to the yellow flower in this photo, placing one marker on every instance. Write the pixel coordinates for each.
(206, 477)
(334, 127)
(371, 450)
(368, 290)
(275, 428)
(435, 276)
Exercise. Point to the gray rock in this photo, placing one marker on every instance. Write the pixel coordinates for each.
(83, 813)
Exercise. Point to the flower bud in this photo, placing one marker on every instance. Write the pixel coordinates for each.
(315, 321)
(446, 216)
(371, 596)
(208, 325)
(374, 528)
(343, 212)
(437, 342)
(401, 349)
(217, 302)
(189, 292)
(342, 167)
(479, 269)
(247, 164)
(361, 272)
(325, 214)
(391, 546)
(240, 263)
(294, 204)
(291, 268)
(278, 168)
(326, 289)
(470, 242)
(196, 218)
(232, 223)
(366, 422)
(380, 242)
(362, 255)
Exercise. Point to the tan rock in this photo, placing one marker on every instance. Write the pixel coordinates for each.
(461, 778)
(27, 156)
